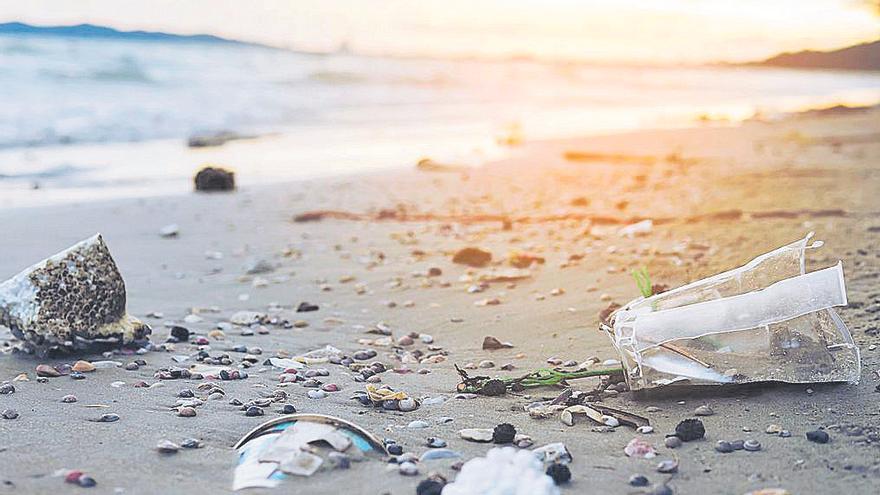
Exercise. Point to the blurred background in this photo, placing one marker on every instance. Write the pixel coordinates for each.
(122, 98)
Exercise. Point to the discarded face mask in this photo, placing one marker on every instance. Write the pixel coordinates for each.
(298, 444)
(72, 301)
(768, 320)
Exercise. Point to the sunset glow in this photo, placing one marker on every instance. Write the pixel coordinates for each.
(625, 31)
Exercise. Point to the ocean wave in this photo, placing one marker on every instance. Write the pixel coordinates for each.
(124, 70)
(59, 171)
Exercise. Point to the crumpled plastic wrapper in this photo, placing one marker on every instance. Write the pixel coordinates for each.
(504, 471)
(768, 320)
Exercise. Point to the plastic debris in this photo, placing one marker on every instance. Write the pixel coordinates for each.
(293, 444)
(539, 378)
(553, 453)
(768, 320)
(72, 301)
(504, 471)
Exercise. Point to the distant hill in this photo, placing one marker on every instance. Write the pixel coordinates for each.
(91, 31)
(865, 56)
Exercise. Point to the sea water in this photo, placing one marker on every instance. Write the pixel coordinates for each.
(94, 118)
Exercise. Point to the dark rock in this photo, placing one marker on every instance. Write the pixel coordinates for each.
(818, 436)
(430, 487)
(471, 256)
(394, 449)
(180, 333)
(690, 429)
(7, 388)
(214, 179)
(254, 411)
(10, 414)
(560, 473)
(305, 307)
(503, 433)
(638, 480)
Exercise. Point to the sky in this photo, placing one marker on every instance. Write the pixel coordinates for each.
(623, 31)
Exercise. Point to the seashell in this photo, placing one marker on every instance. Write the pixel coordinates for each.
(639, 448)
(72, 301)
(477, 434)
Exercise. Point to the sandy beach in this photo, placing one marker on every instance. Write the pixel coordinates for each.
(718, 196)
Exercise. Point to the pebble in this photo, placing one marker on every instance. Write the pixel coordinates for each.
(10, 414)
(254, 411)
(672, 442)
(418, 424)
(660, 490)
(486, 364)
(703, 410)
(287, 409)
(724, 447)
(394, 449)
(47, 371)
(752, 445)
(408, 468)
(76, 375)
(737, 444)
(186, 412)
(191, 443)
(7, 388)
(645, 429)
(773, 429)
(317, 394)
(67, 399)
(330, 387)
(436, 443)
(132, 366)
(667, 466)
(407, 405)
(81, 479)
(108, 418)
(167, 447)
(818, 436)
(638, 480)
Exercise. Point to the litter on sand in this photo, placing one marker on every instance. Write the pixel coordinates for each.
(768, 320)
(299, 445)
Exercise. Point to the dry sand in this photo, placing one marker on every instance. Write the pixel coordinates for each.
(795, 170)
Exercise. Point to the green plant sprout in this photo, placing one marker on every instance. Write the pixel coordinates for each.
(643, 281)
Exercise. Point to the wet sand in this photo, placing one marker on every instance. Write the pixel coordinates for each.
(720, 196)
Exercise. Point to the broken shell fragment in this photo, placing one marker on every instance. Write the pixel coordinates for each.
(72, 301)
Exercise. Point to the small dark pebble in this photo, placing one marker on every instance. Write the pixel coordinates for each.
(690, 429)
(180, 333)
(818, 436)
(394, 449)
(504, 433)
(560, 473)
(724, 447)
(132, 366)
(305, 307)
(288, 409)
(430, 487)
(7, 388)
(76, 375)
(660, 490)
(638, 480)
(186, 393)
(191, 443)
(254, 411)
(108, 418)
(10, 414)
